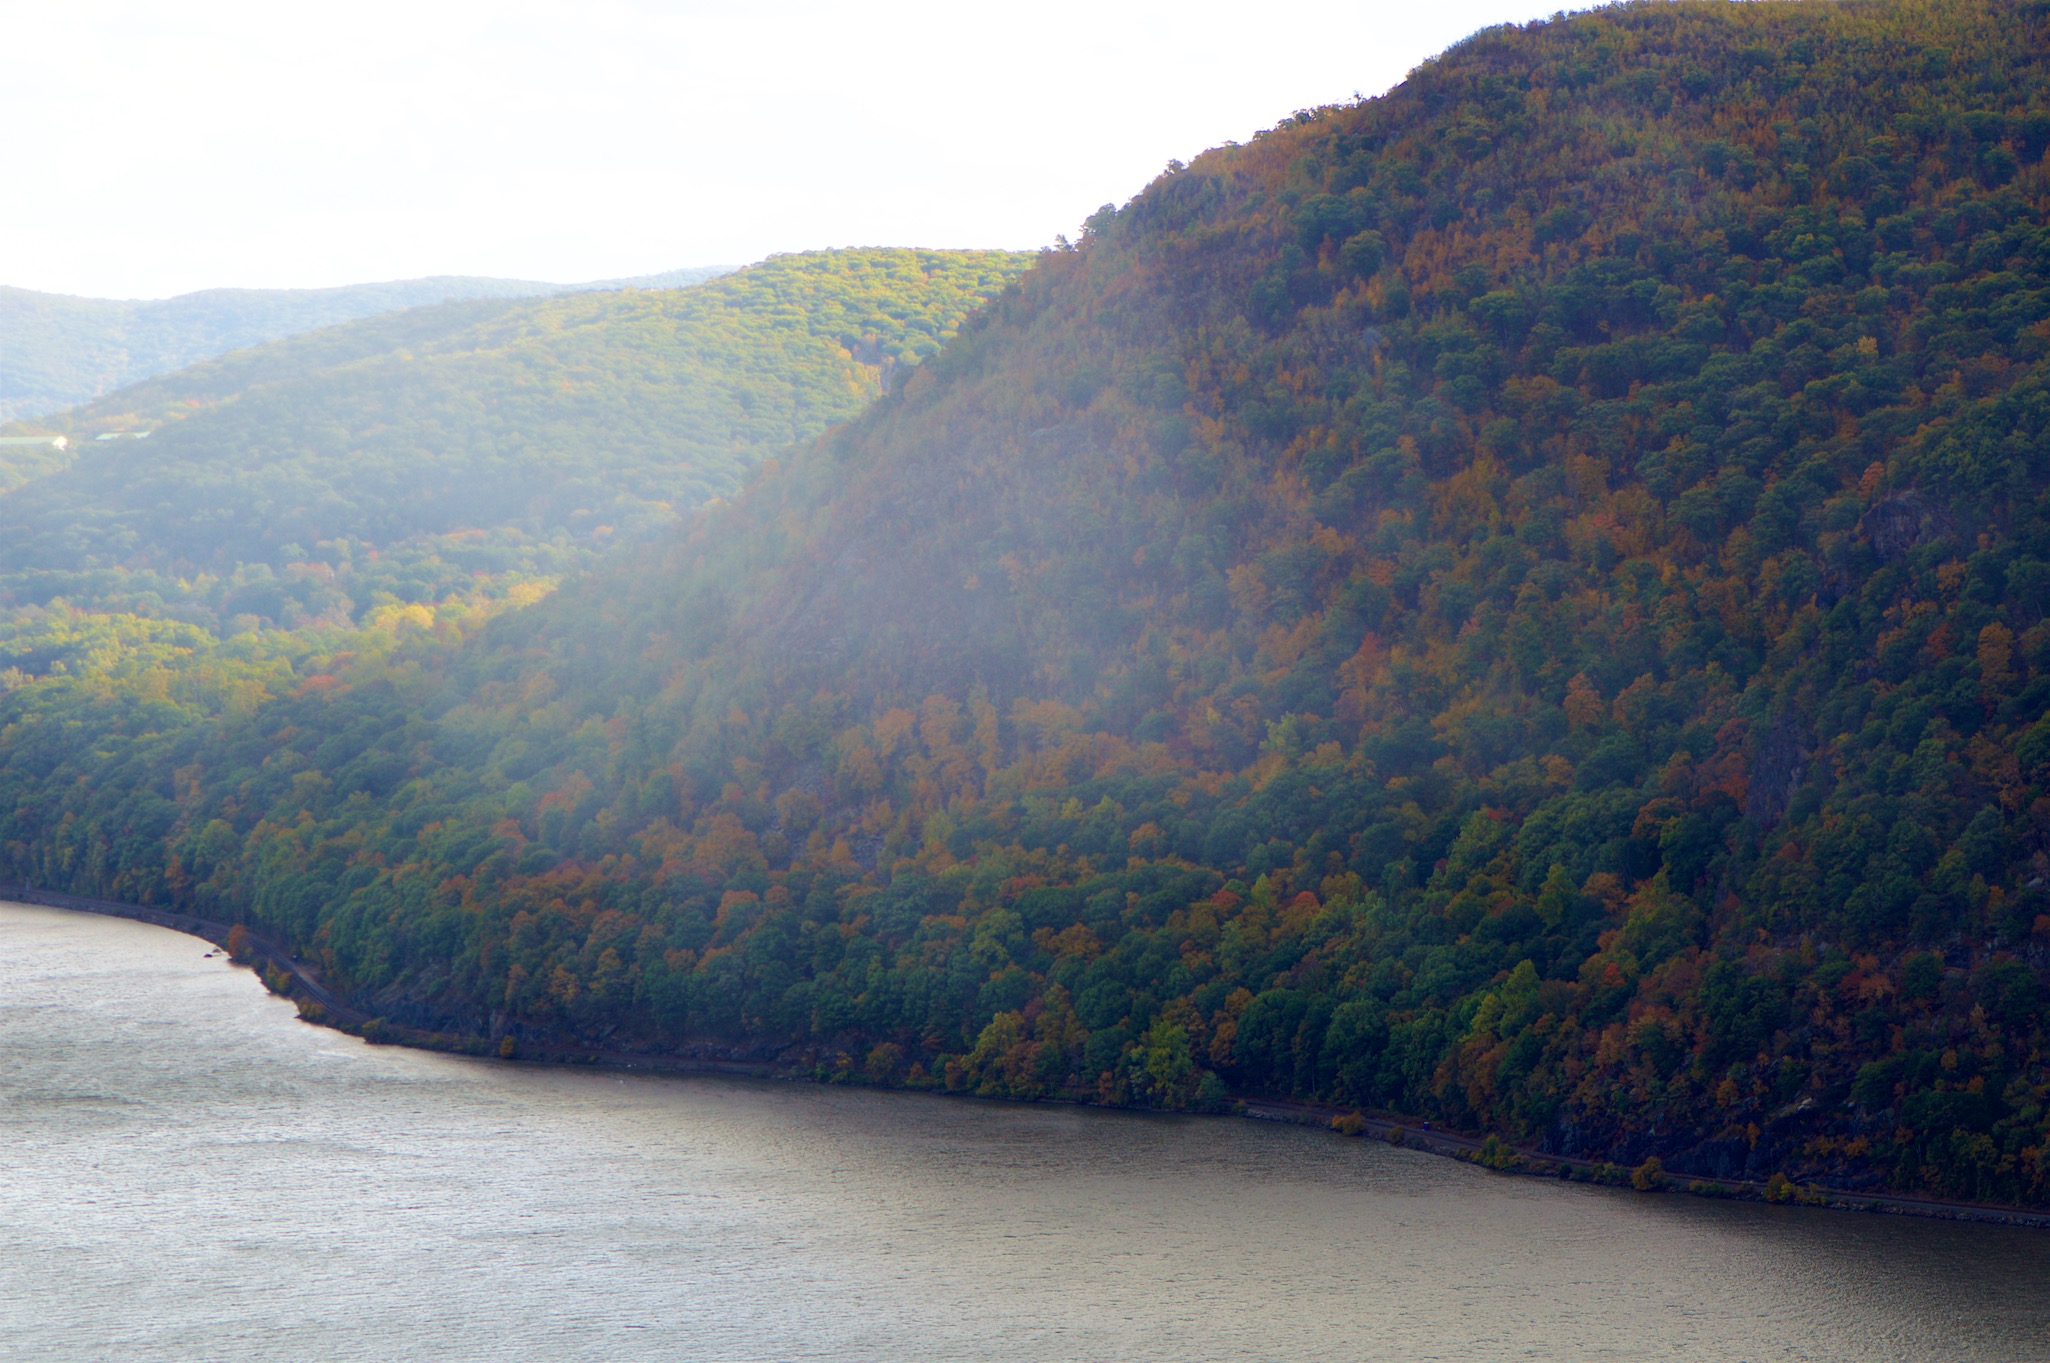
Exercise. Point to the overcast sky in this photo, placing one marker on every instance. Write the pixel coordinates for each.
(162, 146)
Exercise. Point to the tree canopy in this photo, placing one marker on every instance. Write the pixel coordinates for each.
(1521, 601)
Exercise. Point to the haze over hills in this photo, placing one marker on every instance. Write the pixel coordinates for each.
(1520, 602)
(57, 350)
(397, 458)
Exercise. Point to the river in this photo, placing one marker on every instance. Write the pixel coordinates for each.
(192, 1173)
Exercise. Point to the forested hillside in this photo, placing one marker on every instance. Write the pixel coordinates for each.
(394, 460)
(1520, 602)
(57, 350)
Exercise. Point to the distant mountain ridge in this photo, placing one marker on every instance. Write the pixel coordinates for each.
(57, 350)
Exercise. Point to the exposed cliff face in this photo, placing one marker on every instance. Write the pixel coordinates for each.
(1519, 601)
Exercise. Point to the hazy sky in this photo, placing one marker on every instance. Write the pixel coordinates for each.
(170, 145)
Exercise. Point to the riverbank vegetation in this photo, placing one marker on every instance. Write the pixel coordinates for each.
(1522, 601)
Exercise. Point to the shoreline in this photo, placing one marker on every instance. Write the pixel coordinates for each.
(320, 1006)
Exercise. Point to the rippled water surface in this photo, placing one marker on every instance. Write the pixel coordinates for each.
(188, 1172)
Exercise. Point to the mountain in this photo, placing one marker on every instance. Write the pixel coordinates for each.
(57, 350)
(396, 458)
(1520, 602)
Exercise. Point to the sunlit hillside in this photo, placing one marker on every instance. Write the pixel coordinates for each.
(407, 456)
(57, 350)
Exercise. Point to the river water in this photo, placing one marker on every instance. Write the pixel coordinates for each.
(189, 1172)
